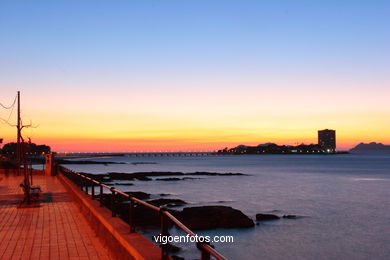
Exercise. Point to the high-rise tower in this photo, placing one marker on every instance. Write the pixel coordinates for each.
(327, 139)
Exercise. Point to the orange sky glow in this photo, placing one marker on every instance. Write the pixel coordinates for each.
(195, 75)
(196, 122)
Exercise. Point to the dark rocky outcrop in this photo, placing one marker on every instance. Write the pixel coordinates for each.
(167, 202)
(168, 179)
(266, 217)
(97, 177)
(203, 217)
(214, 174)
(290, 216)
(145, 176)
(138, 194)
(136, 163)
(175, 257)
(128, 176)
(143, 216)
(211, 217)
(176, 179)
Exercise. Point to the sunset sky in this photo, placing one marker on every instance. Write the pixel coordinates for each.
(195, 75)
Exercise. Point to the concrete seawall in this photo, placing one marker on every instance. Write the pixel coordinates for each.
(112, 231)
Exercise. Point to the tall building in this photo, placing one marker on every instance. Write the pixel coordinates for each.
(327, 139)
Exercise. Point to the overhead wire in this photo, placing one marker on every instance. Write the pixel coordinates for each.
(7, 121)
(2, 120)
(9, 107)
(10, 114)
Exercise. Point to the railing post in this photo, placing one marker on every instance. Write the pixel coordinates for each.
(164, 232)
(113, 202)
(131, 216)
(205, 255)
(93, 190)
(101, 195)
(82, 180)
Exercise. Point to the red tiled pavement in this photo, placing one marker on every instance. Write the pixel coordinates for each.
(50, 228)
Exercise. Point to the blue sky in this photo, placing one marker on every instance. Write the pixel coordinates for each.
(196, 38)
(223, 51)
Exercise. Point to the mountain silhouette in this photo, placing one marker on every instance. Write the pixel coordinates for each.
(372, 147)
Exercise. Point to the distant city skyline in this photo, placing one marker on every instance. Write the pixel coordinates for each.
(195, 75)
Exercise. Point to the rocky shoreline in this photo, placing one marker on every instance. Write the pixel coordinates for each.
(146, 176)
(196, 218)
(207, 217)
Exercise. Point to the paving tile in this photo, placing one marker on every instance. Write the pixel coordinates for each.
(50, 228)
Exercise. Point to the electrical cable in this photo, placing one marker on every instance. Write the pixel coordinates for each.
(11, 106)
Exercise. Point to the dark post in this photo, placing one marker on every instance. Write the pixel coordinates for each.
(81, 182)
(164, 232)
(18, 127)
(113, 202)
(93, 190)
(101, 195)
(86, 185)
(131, 216)
(205, 255)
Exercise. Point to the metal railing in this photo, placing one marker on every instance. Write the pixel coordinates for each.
(85, 182)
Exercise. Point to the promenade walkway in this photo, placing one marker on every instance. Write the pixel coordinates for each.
(51, 228)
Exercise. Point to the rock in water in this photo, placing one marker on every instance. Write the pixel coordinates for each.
(167, 202)
(264, 217)
(175, 257)
(138, 194)
(290, 216)
(210, 217)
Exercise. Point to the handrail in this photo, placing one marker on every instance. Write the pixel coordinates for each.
(206, 249)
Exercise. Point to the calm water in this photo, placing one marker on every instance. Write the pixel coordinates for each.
(344, 201)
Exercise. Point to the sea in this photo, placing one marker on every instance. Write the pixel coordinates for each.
(342, 202)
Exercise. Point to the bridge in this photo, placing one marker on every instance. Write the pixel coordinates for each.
(161, 154)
